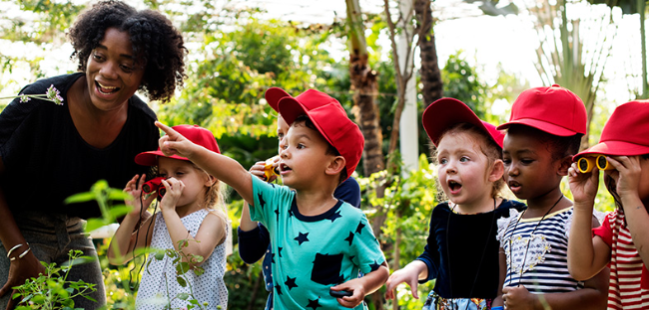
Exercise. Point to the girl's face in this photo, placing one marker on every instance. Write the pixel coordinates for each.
(196, 181)
(530, 170)
(282, 130)
(464, 171)
(111, 72)
(643, 181)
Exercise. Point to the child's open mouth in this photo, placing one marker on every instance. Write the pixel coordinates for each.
(106, 90)
(454, 187)
(284, 169)
(514, 186)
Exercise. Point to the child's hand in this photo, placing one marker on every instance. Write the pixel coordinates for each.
(356, 286)
(583, 185)
(135, 189)
(174, 143)
(516, 298)
(174, 190)
(400, 276)
(258, 170)
(626, 174)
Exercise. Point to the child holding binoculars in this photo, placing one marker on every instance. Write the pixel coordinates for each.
(622, 242)
(191, 208)
(544, 131)
(254, 240)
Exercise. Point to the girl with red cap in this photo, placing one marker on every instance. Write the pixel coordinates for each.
(192, 209)
(622, 242)
(544, 131)
(462, 251)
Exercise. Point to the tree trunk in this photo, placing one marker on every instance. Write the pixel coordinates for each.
(431, 77)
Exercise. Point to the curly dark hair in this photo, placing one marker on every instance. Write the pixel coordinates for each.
(153, 37)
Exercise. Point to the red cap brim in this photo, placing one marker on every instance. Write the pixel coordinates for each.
(615, 148)
(540, 125)
(151, 158)
(274, 95)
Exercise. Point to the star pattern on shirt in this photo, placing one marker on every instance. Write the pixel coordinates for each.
(277, 213)
(302, 238)
(272, 258)
(278, 288)
(374, 266)
(279, 251)
(262, 203)
(334, 216)
(350, 238)
(314, 304)
(290, 282)
(290, 213)
(360, 227)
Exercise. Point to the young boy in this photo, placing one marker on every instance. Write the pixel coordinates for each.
(317, 241)
(544, 131)
(254, 240)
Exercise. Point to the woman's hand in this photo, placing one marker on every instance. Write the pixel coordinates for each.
(408, 275)
(20, 270)
(174, 191)
(583, 186)
(134, 188)
(174, 143)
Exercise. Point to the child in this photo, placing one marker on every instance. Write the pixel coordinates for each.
(544, 131)
(622, 240)
(254, 240)
(317, 241)
(464, 261)
(191, 209)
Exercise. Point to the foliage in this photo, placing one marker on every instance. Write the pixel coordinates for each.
(461, 82)
(52, 290)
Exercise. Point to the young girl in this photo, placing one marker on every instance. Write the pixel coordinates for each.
(544, 131)
(192, 209)
(623, 239)
(462, 252)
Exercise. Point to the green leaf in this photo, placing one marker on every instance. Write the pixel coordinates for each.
(183, 296)
(118, 211)
(159, 255)
(116, 194)
(89, 298)
(95, 223)
(182, 268)
(81, 197)
(199, 271)
(181, 281)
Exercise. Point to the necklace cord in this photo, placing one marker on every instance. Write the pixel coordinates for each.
(528, 243)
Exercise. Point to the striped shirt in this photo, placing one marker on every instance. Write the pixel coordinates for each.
(628, 286)
(538, 261)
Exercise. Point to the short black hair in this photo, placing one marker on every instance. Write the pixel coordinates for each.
(560, 147)
(154, 39)
(331, 150)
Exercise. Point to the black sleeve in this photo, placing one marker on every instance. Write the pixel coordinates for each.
(349, 192)
(253, 244)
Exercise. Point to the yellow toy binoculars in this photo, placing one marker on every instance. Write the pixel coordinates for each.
(588, 163)
(269, 171)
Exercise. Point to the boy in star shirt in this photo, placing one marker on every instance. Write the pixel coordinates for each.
(319, 243)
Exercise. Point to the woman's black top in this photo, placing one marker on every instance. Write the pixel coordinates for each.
(46, 160)
(461, 240)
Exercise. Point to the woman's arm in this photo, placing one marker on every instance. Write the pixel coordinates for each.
(21, 268)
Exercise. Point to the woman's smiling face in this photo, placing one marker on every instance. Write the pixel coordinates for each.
(112, 73)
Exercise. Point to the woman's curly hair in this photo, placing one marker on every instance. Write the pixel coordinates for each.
(154, 39)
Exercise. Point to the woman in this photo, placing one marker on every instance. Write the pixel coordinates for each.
(49, 152)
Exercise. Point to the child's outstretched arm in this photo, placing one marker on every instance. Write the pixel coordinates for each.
(363, 286)
(121, 246)
(411, 274)
(587, 255)
(222, 167)
(627, 178)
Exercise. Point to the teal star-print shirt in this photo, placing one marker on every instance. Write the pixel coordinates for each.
(310, 254)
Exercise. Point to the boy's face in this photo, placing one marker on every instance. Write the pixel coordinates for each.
(530, 170)
(303, 156)
(462, 169)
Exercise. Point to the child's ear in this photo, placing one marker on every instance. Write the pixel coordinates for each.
(336, 165)
(497, 171)
(564, 166)
(210, 180)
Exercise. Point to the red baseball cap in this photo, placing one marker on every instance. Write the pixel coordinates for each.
(553, 109)
(626, 132)
(446, 112)
(331, 120)
(194, 133)
(273, 95)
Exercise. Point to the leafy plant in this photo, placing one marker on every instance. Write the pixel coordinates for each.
(52, 290)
